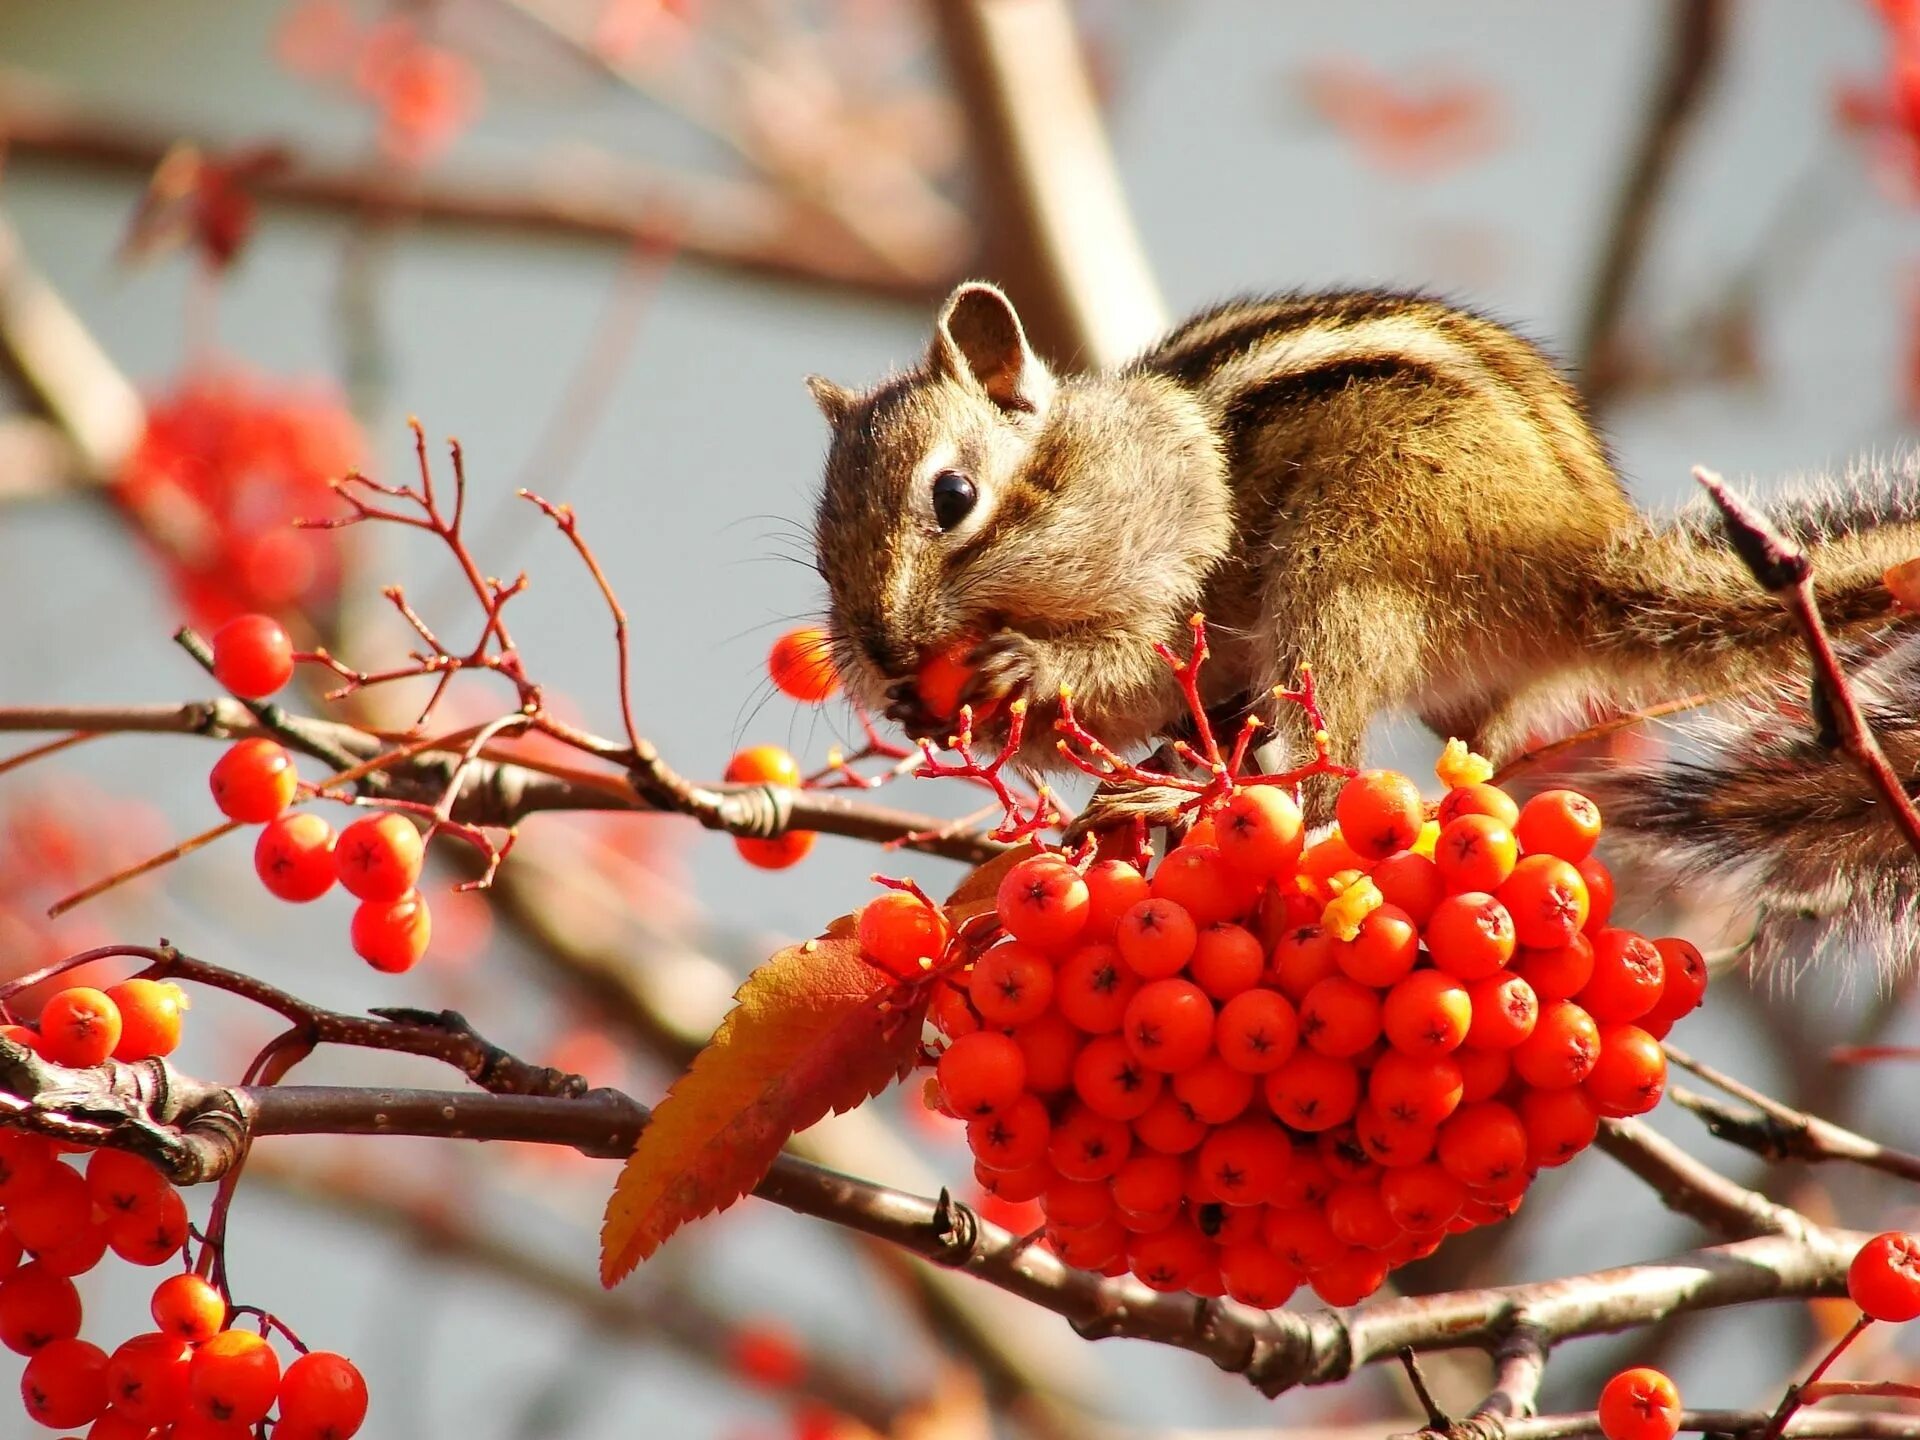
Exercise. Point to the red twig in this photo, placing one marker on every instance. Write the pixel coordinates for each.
(1796, 1395)
(1014, 825)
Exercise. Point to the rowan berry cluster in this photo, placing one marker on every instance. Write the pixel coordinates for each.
(298, 857)
(191, 1377)
(1263, 1063)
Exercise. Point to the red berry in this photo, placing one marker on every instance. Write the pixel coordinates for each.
(1255, 1276)
(1340, 1017)
(897, 930)
(1415, 1089)
(1505, 1010)
(252, 656)
(1557, 974)
(233, 1377)
(120, 1184)
(761, 765)
(981, 1073)
(1170, 1259)
(1639, 1404)
(1156, 938)
(1384, 949)
(151, 1239)
(1043, 900)
(1049, 1045)
(1257, 1031)
(1259, 832)
(1428, 1013)
(379, 857)
(65, 1383)
(1412, 882)
(1086, 1146)
(1011, 984)
(294, 857)
(1380, 811)
(37, 1307)
(254, 781)
(322, 1396)
(1628, 976)
(1483, 1144)
(1558, 822)
(147, 1378)
(1475, 852)
(1013, 1137)
(149, 1017)
(777, 853)
(1478, 799)
(1198, 879)
(188, 1307)
(1313, 1092)
(1884, 1278)
(1562, 1049)
(1684, 987)
(1092, 987)
(1244, 1163)
(1169, 1024)
(1548, 901)
(1113, 888)
(79, 1027)
(392, 935)
(1214, 1091)
(1559, 1123)
(1630, 1074)
(801, 665)
(1470, 935)
(1111, 1081)
(1226, 959)
(1168, 1127)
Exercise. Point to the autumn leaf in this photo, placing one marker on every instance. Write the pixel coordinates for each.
(808, 1034)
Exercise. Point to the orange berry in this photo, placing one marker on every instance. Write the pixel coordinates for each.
(1255, 1276)
(1226, 959)
(1483, 1073)
(1300, 1234)
(1475, 852)
(1390, 1142)
(1483, 1144)
(1113, 888)
(188, 1307)
(294, 857)
(122, 1184)
(1478, 799)
(1200, 881)
(1111, 1080)
(1313, 1092)
(778, 852)
(1076, 1204)
(1412, 882)
(1340, 1017)
(1415, 1089)
(942, 677)
(323, 1397)
(1558, 822)
(1428, 1013)
(801, 665)
(65, 1383)
(51, 1212)
(1169, 1127)
(37, 1307)
(898, 930)
(1244, 1162)
(981, 1073)
(1214, 1091)
(1148, 1184)
(1682, 990)
(1359, 1216)
(1382, 951)
(79, 1027)
(1341, 1151)
(1599, 883)
(392, 935)
(1559, 973)
(1301, 959)
(1013, 1137)
(1630, 1074)
(151, 1239)
(952, 1012)
(1043, 900)
(1156, 938)
(1422, 1197)
(1470, 935)
(1088, 1146)
(252, 656)
(253, 781)
(1505, 1011)
(1011, 984)
(1380, 811)
(763, 765)
(1351, 1278)
(147, 1378)
(1170, 1260)
(1092, 987)
(1049, 1045)
(1548, 901)
(1639, 1404)
(1884, 1277)
(1259, 832)
(1559, 1124)
(1169, 1024)
(233, 1377)
(1628, 977)
(1256, 1031)
(1562, 1048)
(379, 857)
(149, 1017)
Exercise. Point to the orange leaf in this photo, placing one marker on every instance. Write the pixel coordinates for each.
(807, 1034)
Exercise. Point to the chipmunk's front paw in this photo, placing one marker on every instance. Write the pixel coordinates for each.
(911, 713)
(1004, 666)
(1115, 805)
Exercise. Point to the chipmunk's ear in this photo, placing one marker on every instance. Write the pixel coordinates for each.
(980, 339)
(835, 401)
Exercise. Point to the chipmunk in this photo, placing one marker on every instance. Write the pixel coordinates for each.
(1403, 495)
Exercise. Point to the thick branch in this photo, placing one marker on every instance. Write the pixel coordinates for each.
(1057, 221)
(1691, 57)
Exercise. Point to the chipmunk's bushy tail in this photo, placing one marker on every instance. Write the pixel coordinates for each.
(1753, 801)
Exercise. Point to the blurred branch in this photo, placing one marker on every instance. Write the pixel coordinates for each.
(1695, 40)
(676, 1314)
(1056, 224)
(591, 195)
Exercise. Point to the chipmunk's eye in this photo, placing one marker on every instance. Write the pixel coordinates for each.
(953, 498)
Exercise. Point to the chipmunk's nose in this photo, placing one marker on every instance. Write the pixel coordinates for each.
(887, 657)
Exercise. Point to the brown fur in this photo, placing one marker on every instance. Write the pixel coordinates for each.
(1403, 495)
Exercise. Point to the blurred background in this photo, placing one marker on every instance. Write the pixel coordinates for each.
(601, 242)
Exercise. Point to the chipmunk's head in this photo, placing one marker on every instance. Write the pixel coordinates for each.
(977, 494)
